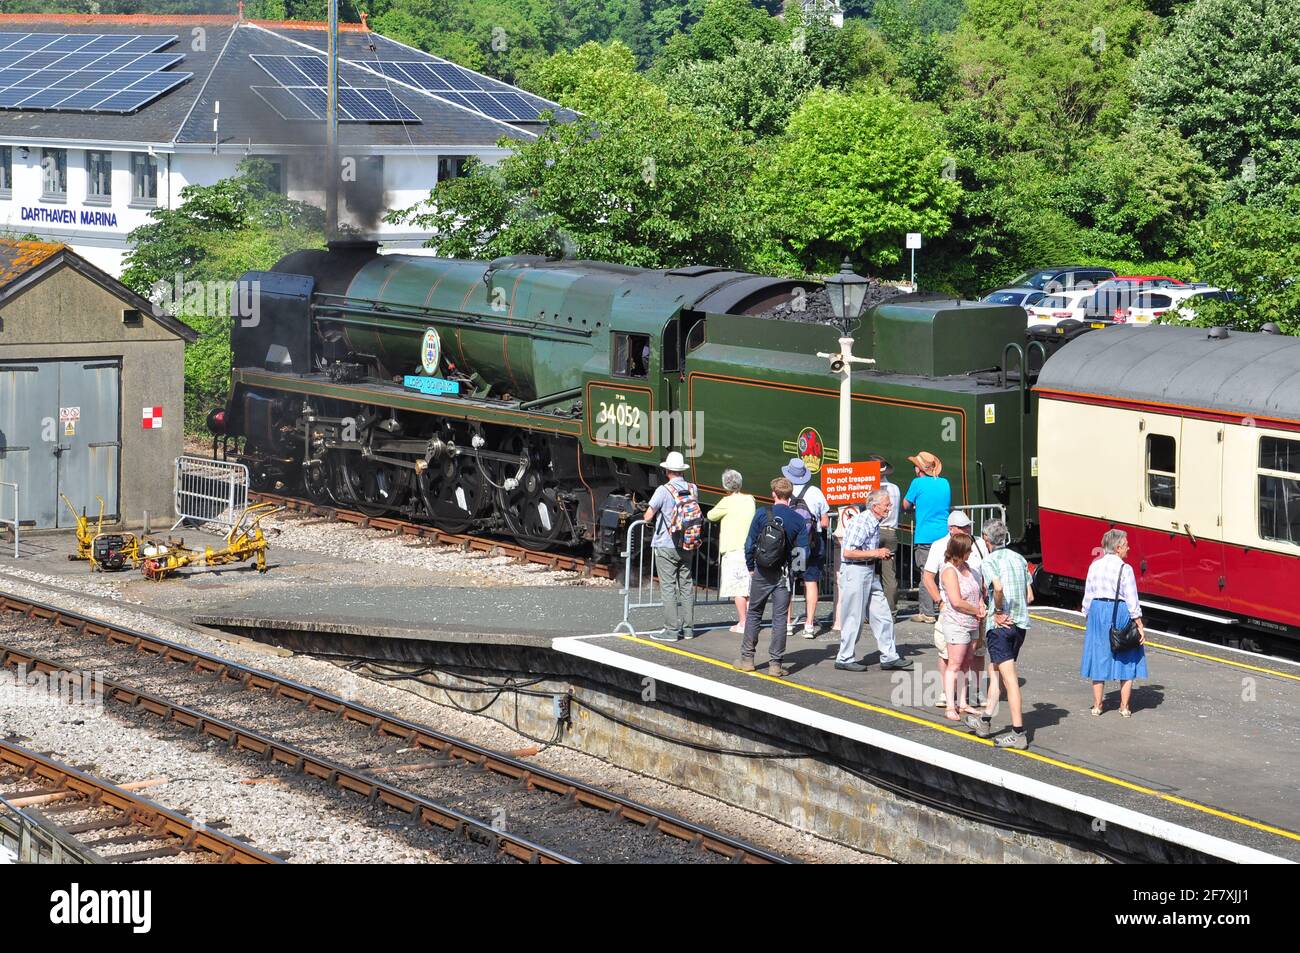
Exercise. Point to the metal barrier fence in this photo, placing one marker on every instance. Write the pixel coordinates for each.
(33, 840)
(17, 516)
(641, 589)
(210, 491)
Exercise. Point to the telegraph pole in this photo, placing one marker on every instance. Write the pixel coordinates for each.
(332, 124)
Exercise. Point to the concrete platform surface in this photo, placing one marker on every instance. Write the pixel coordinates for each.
(1211, 754)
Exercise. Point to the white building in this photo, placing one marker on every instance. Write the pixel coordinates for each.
(185, 98)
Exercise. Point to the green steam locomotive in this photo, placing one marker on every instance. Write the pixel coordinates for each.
(536, 398)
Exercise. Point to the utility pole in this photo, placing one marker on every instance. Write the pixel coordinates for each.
(332, 124)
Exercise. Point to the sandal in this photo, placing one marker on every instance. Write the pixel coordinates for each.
(1095, 710)
(951, 714)
(1125, 713)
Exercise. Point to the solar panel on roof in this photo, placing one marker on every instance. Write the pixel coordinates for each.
(303, 78)
(460, 87)
(85, 71)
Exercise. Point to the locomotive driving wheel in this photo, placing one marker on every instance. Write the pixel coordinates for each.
(317, 476)
(373, 488)
(533, 512)
(452, 494)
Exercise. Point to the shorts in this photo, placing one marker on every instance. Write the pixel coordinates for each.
(734, 574)
(941, 642)
(1005, 643)
(815, 563)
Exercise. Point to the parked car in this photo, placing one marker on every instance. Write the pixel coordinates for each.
(1063, 278)
(1116, 295)
(1021, 296)
(1058, 307)
(1149, 305)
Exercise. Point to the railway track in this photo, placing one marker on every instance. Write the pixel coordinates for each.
(465, 542)
(446, 781)
(51, 811)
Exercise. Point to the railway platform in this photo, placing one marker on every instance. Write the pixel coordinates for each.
(1209, 762)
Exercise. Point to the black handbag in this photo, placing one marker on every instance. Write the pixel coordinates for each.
(1122, 640)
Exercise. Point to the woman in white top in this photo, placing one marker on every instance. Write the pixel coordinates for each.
(1110, 597)
(960, 618)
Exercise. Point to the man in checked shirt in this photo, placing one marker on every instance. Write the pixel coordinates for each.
(861, 588)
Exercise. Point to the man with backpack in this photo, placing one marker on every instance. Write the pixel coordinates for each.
(678, 531)
(777, 544)
(809, 502)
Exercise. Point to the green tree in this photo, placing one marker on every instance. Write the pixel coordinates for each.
(754, 90)
(852, 174)
(594, 79)
(1052, 72)
(1139, 194)
(1255, 251)
(722, 24)
(656, 186)
(217, 233)
(1228, 76)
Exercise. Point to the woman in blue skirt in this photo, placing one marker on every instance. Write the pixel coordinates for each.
(1112, 580)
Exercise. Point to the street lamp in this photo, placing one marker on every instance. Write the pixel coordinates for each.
(846, 291)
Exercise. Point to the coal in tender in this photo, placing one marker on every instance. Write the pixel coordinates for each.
(816, 305)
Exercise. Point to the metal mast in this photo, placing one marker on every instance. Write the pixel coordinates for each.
(332, 124)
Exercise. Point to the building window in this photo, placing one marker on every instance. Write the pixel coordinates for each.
(6, 170)
(54, 174)
(144, 179)
(1279, 489)
(1162, 452)
(631, 355)
(451, 167)
(99, 176)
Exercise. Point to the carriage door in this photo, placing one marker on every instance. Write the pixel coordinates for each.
(1156, 548)
(1204, 570)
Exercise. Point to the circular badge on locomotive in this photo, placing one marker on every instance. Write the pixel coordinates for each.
(431, 351)
(810, 449)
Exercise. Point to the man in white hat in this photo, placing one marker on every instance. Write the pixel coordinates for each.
(809, 502)
(675, 565)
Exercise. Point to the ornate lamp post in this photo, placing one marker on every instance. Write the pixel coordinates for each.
(846, 291)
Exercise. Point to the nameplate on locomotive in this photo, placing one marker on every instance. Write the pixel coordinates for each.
(430, 385)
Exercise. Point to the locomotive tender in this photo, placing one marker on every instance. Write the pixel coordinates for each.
(537, 397)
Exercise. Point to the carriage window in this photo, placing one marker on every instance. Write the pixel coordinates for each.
(1162, 452)
(631, 355)
(1279, 490)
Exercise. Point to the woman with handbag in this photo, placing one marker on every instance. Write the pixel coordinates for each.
(1112, 647)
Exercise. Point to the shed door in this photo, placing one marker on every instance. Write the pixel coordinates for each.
(88, 450)
(29, 394)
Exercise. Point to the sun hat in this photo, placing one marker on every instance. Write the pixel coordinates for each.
(959, 519)
(886, 468)
(675, 463)
(927, 462)
(797, 472)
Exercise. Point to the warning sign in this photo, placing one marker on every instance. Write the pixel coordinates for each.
(69, 428)
(849, 483)
(152, 418)
(69, 413)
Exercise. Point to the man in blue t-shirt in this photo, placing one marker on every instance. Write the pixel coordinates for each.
(772, 582)
(931, 497)
(676, 566)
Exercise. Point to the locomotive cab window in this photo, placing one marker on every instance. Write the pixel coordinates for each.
(1162, 476)
(1279, 489)
(631, 355)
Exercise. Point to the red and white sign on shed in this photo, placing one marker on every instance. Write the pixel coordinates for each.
(849, 483)
(152, 419)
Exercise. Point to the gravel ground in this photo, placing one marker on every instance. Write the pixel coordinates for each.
(476, 728)
(543, 818)
(307, 822)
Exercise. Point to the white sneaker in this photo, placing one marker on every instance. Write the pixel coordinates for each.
(942, 702)
(809, 632)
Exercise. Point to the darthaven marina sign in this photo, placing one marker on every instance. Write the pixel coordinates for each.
(66, 216)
